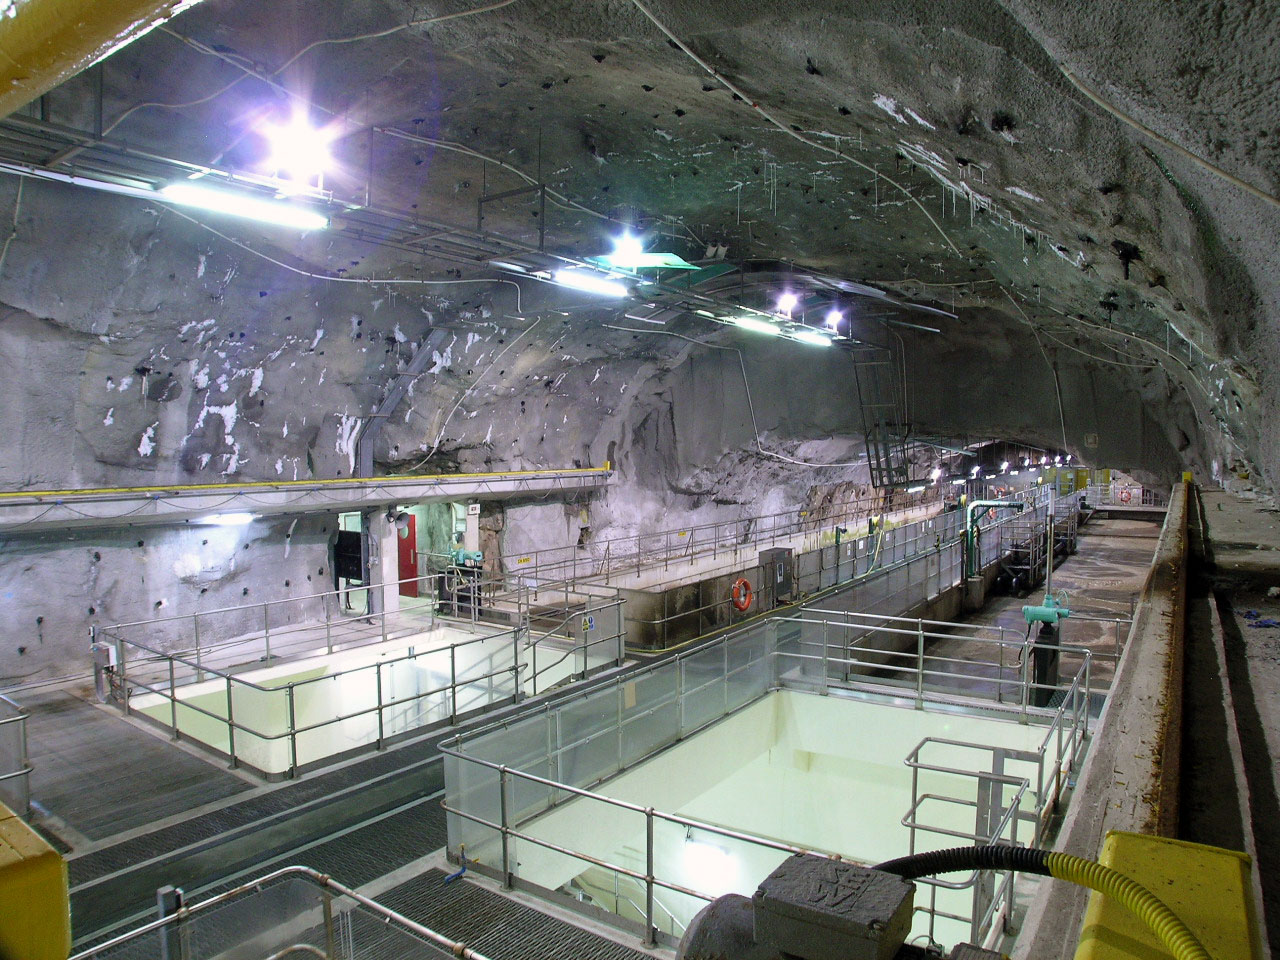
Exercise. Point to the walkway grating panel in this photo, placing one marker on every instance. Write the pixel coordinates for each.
(497, 927)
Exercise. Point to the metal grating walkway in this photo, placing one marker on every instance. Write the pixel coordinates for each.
(497, 927)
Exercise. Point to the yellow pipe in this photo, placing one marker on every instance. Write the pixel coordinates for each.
(295, 484)
(46, 42)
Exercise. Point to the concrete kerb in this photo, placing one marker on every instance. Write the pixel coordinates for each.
(1129, 780)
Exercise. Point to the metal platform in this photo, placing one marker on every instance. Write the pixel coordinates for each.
(38, 511)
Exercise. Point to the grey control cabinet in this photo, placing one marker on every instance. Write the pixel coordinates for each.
(778, 564)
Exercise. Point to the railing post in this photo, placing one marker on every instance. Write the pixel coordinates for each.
(650, 931)
(506, 832)
(377, 669)
(1026, 681)
(266, 631)
(826, 667)
(516, 692)
(679, 699)
(329, 941)
(124, 677)
(231, 729)
(293, 733)
(173, 703)
(195, 630)
(920, 664)
(328, 631)
(453, 684)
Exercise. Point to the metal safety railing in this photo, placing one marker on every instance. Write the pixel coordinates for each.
(15, 765)
(995, 815)
(1121, 494)
(279, 716)
(292, 912)
(638, 553)
(500, 779)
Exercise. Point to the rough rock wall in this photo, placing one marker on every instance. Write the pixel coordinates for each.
(154, 352)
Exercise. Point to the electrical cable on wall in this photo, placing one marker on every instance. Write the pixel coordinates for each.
(754, 104)
(337, 279)
(746, 385)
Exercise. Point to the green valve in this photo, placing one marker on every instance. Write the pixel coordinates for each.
(1049, 612)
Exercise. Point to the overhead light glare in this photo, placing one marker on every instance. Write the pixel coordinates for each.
(240, 205)
(935, 474)
(591, 283)
(812, 337)
(958, 483)
(918, 489)
(297, 149)
(1004, 466)
(787, 302)
(230, 519)
(975, 471)
(757, 325)
(834, 317)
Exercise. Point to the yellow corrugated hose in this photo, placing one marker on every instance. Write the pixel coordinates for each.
(1144, 904)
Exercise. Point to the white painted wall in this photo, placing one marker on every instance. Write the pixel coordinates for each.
(822, 773)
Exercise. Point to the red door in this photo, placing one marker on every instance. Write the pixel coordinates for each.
(408, 542)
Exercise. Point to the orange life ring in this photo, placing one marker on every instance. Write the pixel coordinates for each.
(741, 594)
(1125, 495)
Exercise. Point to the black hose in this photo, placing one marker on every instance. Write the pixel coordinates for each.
(993, 857)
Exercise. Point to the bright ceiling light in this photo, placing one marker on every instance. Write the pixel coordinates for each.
(958, 483)
(1013, 473)
(787, 302)
(1004, 466)
(230, 519)
(297, 149)
(834, 317)
(591, 283)
(935, 474)
(812, 337)
(627, 246)
(241, 205)
(975, 471)
(919, 489)
(756, 324)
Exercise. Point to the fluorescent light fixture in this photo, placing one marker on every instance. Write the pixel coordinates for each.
(1068, 458)
(812, 337)
(756, 324)
(230, 519)
(241, 205)
(1013, 473)
(591, 283)
(787, 302)
(958, 483)
(918, 489)
(834, 317)
(1004, 466)
(935, 474)
(975, 471)
(1058, 458)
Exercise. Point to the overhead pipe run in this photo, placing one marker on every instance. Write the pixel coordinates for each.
(46, 42)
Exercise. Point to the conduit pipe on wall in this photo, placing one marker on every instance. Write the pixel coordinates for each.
(46, 42)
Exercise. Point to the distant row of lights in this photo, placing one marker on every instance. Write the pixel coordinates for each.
(1027, 463)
